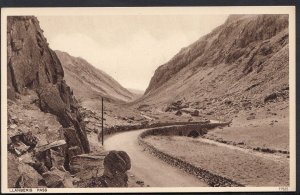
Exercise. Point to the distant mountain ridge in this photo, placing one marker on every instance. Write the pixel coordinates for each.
(89, 82)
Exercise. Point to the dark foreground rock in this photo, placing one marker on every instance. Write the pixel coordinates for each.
(116, 164)
(20, 174)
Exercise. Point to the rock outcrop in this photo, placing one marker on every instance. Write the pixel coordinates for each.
(32, 65)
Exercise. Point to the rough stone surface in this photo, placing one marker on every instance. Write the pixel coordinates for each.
(86, 166)
(117, 161)
(30, 60)
(20, 174)
(54, 144)
(116, 164)
(22, 143)
(57, 179)
(33, 65)
(73, 145)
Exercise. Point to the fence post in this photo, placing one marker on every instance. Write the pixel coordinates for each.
(102, 132)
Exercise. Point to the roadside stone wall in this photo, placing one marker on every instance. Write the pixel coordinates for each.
(210, 178)
(118, 129)
(182, 130)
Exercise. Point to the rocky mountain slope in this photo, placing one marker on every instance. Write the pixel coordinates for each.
(48, 140)
(241, 64)
(32, 65)
(36, 86)
(89, 82)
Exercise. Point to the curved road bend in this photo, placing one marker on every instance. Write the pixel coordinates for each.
(148, 168)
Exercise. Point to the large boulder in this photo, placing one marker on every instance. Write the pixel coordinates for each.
(195, 113)
(116, 163)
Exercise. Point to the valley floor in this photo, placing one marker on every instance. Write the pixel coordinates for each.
(266, 130)
(241, 166)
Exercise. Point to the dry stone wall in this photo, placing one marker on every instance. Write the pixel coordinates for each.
(210, 178)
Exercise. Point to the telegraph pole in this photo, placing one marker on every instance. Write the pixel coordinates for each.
(102, 132)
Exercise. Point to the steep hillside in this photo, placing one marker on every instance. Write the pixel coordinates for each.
(32, 65)
(89, 82)
(42, 112)
(242, 64)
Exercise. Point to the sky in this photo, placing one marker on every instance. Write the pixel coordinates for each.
(127, 47)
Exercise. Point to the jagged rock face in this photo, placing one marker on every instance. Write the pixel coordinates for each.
(31, 62)
(245, 59)
(33, 65)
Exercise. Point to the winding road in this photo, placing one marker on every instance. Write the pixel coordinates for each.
(148, 168)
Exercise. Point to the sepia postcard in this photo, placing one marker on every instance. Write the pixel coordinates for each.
(148, 99)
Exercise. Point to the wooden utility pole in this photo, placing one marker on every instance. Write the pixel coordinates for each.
(102, 132)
